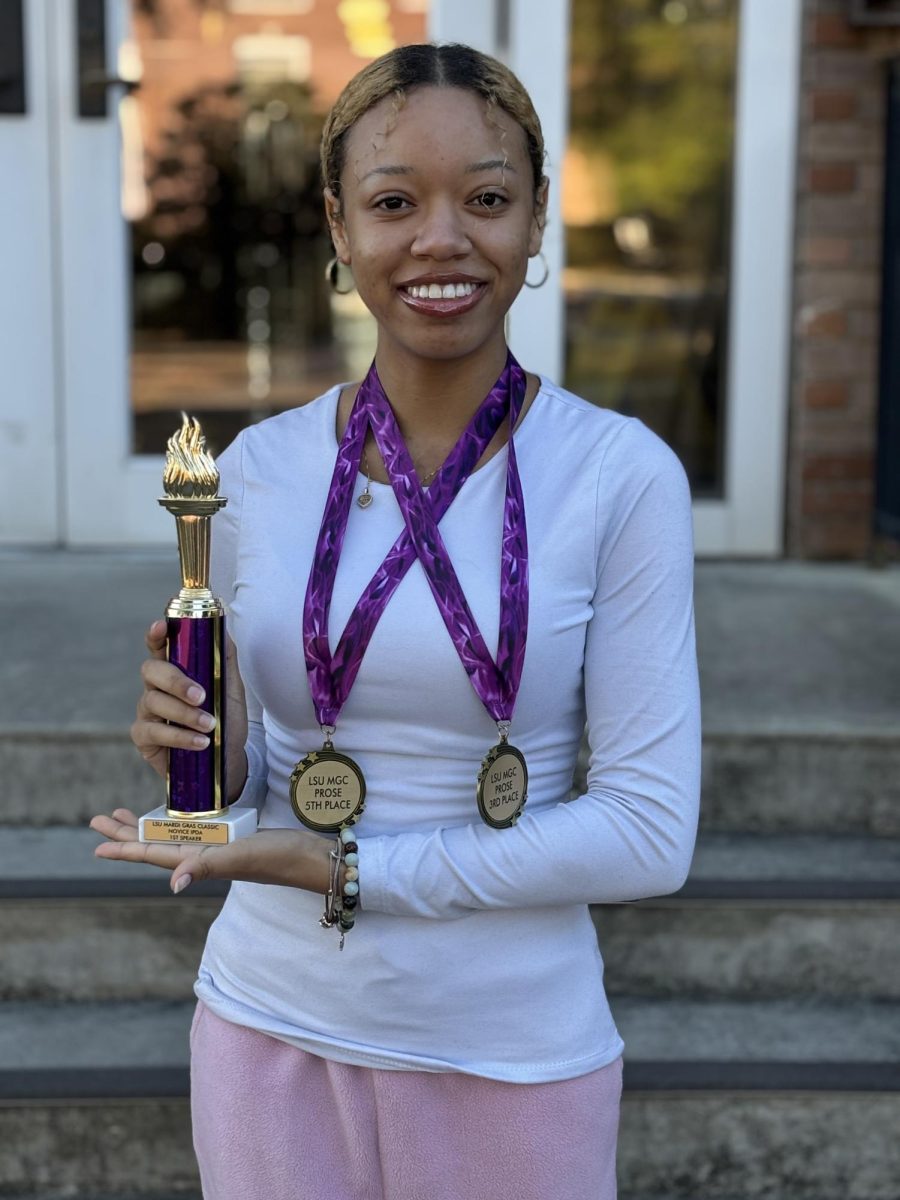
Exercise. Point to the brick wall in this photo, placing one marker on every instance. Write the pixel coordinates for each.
(831, 469)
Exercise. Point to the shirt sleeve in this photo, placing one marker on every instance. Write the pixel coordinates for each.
(226, 528)
(631, 834)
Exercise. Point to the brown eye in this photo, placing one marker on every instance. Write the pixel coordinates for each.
(490, 200)
(391, 203)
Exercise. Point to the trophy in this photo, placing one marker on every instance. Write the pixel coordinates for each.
(196, 809)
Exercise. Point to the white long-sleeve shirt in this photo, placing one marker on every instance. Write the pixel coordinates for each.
(473, 949)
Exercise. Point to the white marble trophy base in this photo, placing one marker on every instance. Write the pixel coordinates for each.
(233, 823)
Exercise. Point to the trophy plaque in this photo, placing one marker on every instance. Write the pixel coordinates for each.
(196, 808)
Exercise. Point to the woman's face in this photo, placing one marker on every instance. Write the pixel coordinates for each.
(437, 219)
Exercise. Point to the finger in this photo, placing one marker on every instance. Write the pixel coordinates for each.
(170, 708)
(114, 828)
(149, 736)
(155, 639)
(166, 677)
(158, 854)
(126, 816)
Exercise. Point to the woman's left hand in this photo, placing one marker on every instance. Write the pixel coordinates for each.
(290, 857)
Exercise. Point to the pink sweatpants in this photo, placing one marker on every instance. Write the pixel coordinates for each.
(272, 1122)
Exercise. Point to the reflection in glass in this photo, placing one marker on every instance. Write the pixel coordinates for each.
(646, 203)
(232, 317)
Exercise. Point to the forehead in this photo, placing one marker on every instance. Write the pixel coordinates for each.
(433, 126)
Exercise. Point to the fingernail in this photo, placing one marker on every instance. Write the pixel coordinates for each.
(200, 741)
(182, 883)
(195, 694)
(206, 721)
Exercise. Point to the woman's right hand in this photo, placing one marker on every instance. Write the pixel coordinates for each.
(169, 712)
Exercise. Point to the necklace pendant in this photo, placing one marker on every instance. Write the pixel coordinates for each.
(502, 787)
(364, 499)
(328, 790)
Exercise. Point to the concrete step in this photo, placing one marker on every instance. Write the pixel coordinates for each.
(758, 916)
(733, 948)
(722, 1100)
(140, 1050)
(816, 780)
(771, 782)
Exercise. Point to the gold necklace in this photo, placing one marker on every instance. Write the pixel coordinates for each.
(365, 498)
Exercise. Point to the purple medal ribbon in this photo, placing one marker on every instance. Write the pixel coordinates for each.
(497, 684)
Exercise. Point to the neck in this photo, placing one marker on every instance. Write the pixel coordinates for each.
(437, 398)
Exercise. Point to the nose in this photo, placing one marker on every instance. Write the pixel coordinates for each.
(440, 233)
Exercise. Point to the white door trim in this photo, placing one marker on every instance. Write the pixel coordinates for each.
(110, 493)
(30, 448)
(761, 271)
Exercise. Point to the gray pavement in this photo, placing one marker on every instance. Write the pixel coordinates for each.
(783, 647)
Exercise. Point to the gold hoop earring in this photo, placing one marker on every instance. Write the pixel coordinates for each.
(546, 275)
(331, 275)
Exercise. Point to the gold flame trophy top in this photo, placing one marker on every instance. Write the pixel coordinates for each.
(191, 484)
(191, 479)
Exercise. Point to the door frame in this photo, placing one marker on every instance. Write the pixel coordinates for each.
(31, 456)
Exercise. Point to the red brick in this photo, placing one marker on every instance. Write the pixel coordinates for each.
(829, 323)
(826, 252)
(831, 178)
(842, 142)
(830, 538)
(839, 500)
(833, 29)
(833, 106)
(851, 288)
(835, 358)
(826, 393)
(858, 467)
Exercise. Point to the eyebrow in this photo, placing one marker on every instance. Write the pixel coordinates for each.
(489, 164)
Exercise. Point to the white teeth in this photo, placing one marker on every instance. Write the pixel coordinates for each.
(434, 291)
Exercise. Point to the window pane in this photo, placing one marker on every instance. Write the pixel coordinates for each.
(647, 209)
(231, 313)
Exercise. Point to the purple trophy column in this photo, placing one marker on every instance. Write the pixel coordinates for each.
(194, 645)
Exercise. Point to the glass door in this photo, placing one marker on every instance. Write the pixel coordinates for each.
(194, 245)
(647, 210)
(677, 172)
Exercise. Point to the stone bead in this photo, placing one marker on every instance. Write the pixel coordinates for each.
(350, 847)
(347, 835)
(351, 888)
(349, 901)
(351, 859)
(350, 874)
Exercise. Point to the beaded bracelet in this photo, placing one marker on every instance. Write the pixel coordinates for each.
(340, 903)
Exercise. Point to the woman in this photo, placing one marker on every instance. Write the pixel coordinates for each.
(461, 1045)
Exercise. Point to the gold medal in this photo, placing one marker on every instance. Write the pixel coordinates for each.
(328, 790)
(502, 785)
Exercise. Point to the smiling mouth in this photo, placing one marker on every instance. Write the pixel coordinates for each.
(438, 291)
(442, 300)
